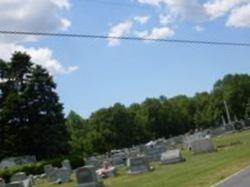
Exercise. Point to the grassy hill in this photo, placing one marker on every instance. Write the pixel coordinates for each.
(202, 170)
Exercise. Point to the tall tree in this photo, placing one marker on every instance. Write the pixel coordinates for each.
(32, 117)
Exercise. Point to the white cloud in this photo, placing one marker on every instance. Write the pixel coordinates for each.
(33, 15)
(30, 15)
(240, 17)
(218, 8)
(178, 9)
(165, 19)
(199, 28)
(202, 10)
(119, 30)
(151, 2)
(62, 3)
(142, 19)
(156, 33)
(41, 56)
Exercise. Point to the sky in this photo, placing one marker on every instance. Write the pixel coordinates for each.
(93, 73)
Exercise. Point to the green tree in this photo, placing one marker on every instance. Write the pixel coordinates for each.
(32, 117)
(78, 129)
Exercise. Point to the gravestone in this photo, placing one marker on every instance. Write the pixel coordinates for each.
(154, 154)
(94, 161)
(171, 157)
(202, 146)
(63, 175)
(193, 137)
(118, 159)
(138, 164)
(86, 177)
(66, 164)
(20, 179)
(218, 131)
(47, 169)
(52, 176)
(14, 161)
(15, 184)
(21, 176)
(2, 182)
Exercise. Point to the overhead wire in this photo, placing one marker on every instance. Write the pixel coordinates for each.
(93, 36)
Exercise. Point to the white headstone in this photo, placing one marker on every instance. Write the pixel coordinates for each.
(171, 156)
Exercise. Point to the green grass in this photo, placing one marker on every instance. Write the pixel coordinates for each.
(201, 170)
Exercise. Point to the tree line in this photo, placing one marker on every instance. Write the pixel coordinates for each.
(32, 121)
(120, 126)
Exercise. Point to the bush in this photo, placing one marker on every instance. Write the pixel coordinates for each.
(37, 168)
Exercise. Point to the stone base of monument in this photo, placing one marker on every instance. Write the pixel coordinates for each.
(204, 145)
(172, 157)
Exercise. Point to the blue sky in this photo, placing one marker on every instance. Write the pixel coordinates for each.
(92, 74)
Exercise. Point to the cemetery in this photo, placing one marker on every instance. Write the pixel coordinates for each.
(204, 158)
(201, 157)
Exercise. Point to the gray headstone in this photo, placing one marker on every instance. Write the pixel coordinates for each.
(94, 161)
(218, 131)
(202, 145)
(86, 177)
(63, 175)
(154, 154)
(118, 159)
(21, 176)
(2, 183)
(47, 169)
(137, 165)
(66, 164)
(15, 184)
(171, 156)
(52, 175)
(13, 161)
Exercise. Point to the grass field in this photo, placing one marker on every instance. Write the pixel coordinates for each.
(233, 154)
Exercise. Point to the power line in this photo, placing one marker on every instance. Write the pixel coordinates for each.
(92, 36)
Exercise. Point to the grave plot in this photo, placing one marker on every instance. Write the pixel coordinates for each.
(138, 164)
(63, 175)
(86, 177)
(20, 180)
(171, 157)
(2, 182)
(118, 159)
(154, 154)
(203, 145)
(57, 175)
(15, 161)
(66, 164)
(94, 161)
